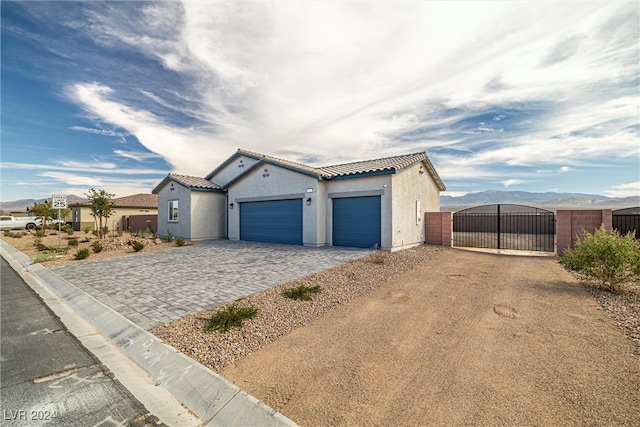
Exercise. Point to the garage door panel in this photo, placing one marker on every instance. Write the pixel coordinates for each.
(275, 221)
(357, 221)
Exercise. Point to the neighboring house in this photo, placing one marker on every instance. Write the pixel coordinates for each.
(130, 213)
(251, 196)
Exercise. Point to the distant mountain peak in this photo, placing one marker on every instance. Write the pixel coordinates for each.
(548, 199)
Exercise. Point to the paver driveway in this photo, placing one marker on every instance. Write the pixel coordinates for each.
(155, 288)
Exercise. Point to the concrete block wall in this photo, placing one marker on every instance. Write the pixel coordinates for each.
(438, 228)
(572, 223)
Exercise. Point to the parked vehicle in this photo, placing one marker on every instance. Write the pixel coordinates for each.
(8, 222)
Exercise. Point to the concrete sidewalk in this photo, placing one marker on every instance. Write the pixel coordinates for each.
(175, 377)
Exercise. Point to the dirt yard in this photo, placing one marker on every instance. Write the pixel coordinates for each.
(466, 338)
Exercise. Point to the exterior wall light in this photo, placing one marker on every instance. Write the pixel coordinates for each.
(230, 205)
(309, 201)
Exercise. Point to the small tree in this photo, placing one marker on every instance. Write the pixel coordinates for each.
(101, 208)
(45, 212)
(607, 258)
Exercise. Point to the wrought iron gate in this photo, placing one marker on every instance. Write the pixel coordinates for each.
(627, 220)
(505, 227)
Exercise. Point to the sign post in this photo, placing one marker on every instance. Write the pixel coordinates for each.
(59, 201)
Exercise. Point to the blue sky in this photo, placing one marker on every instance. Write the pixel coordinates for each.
(529, 96)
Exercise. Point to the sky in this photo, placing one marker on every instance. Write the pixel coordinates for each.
(519, 95)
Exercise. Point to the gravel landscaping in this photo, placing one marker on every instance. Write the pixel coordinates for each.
(278, 315)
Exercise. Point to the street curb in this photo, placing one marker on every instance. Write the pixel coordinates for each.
(215, 400)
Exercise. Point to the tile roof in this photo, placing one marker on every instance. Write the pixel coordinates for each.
(282, 162)
(366, 166)
(137, 201)
(394, 163)
(192, 182)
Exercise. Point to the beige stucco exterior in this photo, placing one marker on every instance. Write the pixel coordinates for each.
(81, 217)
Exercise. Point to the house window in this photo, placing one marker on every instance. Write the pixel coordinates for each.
(173, 210)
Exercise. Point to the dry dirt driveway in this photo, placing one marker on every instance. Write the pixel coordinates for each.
(465, 339)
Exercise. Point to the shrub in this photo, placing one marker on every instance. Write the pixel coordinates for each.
(97, 247)
(168, 237)
(229, 317)
(11, 234)
(45, 255)
(608, 260)
(149, 228)
(86, 229)
(180, 242)
(68, 229)
(301, 292)
(378, 256)
(138, 246)
(82, 254)
(72, 241)
(141, 234)
(39, 233)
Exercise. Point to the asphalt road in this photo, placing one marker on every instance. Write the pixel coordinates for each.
(46, 376)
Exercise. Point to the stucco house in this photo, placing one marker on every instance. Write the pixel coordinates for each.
(256, 197)
(130, 213)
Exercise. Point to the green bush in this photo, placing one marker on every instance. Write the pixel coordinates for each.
(606, 259)
(301, 292)
(138, 246)
(11, 234)
(180, 242)
(97, 247)
(82, 254)
(168, 237)
(72, 241)
(45, 255)
(229, 317)
(68, 229)
(86, 229)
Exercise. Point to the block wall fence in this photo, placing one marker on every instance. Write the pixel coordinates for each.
(569, 225)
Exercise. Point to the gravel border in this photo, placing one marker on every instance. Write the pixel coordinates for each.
(624, 310)
(279, 316)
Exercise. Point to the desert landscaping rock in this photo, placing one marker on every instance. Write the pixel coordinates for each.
(432, 336)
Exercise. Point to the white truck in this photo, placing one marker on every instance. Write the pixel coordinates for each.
(8, 222)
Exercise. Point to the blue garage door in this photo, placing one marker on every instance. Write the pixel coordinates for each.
(357, 222)
(276, 221)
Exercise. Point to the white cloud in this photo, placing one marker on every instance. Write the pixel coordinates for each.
(340, 81)
(630, 189)
(136, 155)
(93, 167)
(98, 131)
(509, 182)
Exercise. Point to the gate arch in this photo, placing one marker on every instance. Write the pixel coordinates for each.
(505, 226)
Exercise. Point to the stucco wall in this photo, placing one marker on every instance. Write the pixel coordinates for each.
(269, 182)
(232, 170)
(413, 193)
(180, 228)
(208, 215)
(114, 222)
(359, 187)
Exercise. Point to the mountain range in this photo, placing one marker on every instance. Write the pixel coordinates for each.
(21, 205)
(547, 200)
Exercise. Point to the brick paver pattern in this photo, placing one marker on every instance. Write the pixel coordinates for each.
(155, 288)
